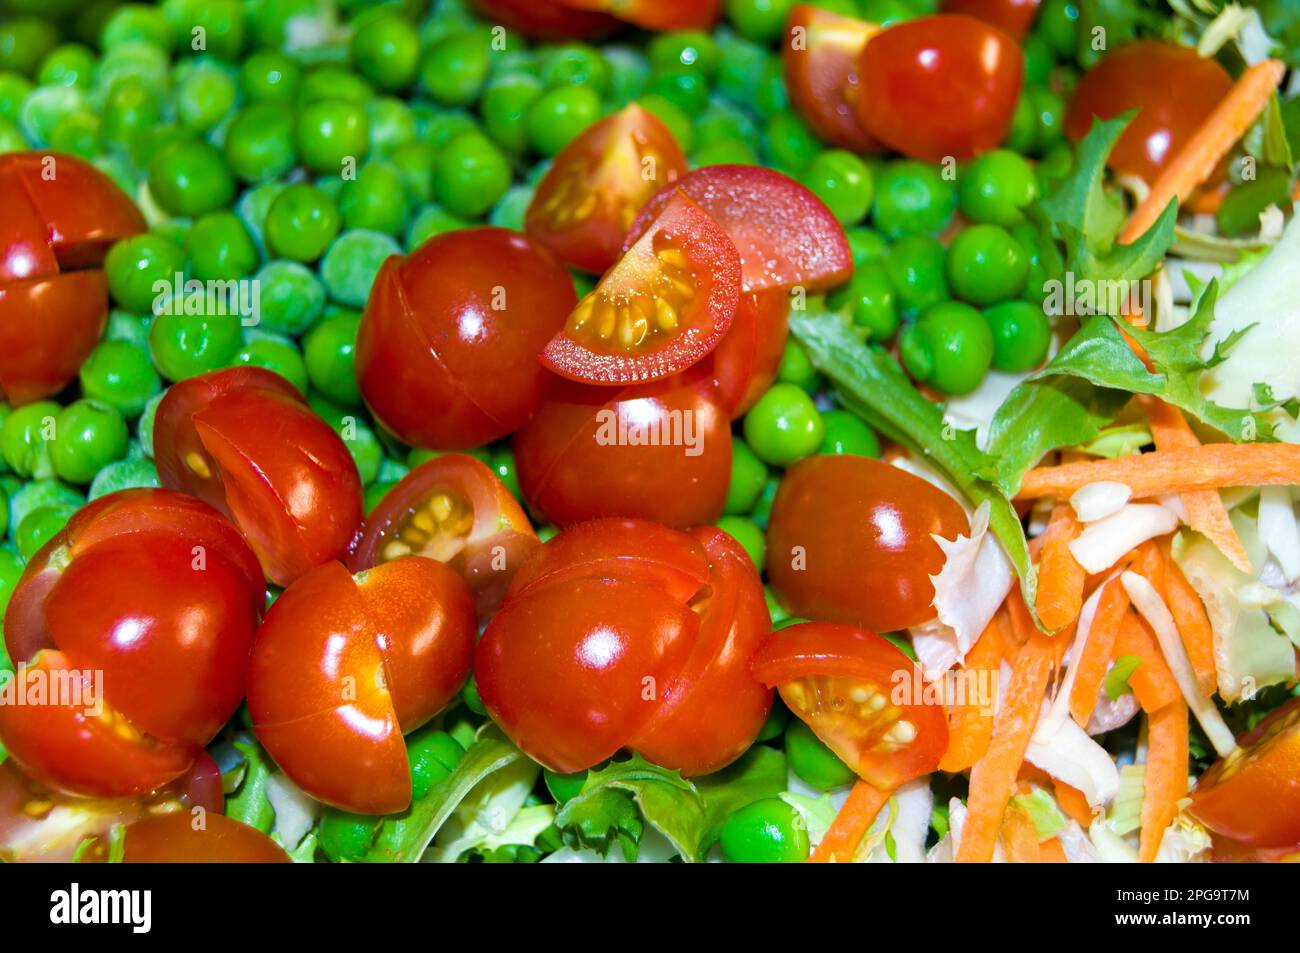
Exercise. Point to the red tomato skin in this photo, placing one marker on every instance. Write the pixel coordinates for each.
(785, 235)
(575, 463)
(849, 540)
(547, 19)
(1013, 17)
(715, 709)
(449, 324)
(564, 668)
(596, 164)
(1170, 85)
(657, 14)
(48, 327)
(821, 73)
(745, 362)
(280, 472)
(500, 540)
(939, 86)
(716, 269)
(173, 839)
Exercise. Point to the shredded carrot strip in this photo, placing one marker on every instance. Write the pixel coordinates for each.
(970, 724)
(1208, 467)
(1152, 681)
(1193, 625)
(1020, 837)
(1060, 577)
(1151, 564)
(993, 777)
(1207, 201)
(1074, 803)
(1052, 852)
(1205, 511)
(851, 824)
(1090, 667)
(1165, 783)
(1196, 161)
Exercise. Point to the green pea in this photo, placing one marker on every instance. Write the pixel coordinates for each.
(88, 435)
(432, 755)
(750, 537)
(121, 375)
(470, 696)
(134, 265)
(345, 837)
(375, 199)
(471, 175)
(1021, 335)
(301, 223)
(784, 426)
(189, 177)
(38, 493)
(260, 143)
(351, 263)
(997, 187)
(743, 64)
(144, 426)
(748, 474)
(1038, 60)
(917, 267)
(564, 787)
(26, 437)
(986, 265)
(771, 96)
(184, 345)
(275, 354)
(220, 248)
(576, 64)
(1057, 25)
(134, 471)
(777, 717)
(386, 51)
(846, 433)
(949, 347)
(559, 115)
(39, 527)
(628, 73)
(331, 132)
(765, 832)
(329, 349)
(221, 22)
(456, 67)
(843, 182)
(678, 123)
(11, 570)
(137, 23)
(886, 12)
(205, 96)
(430, 221)
(270, 76)
(761, 20)
(1049, 115)
(730, 152)
(503, 465)
(871, 297)
(721, 123)
(912, 198)
(685, 88)
(866, 244)
(505, 106)
(790, 141)
(291, 297)
(71, 64)
(375, 493)
(691, 49)
(24, 41)
(812, 761)
(334, 83)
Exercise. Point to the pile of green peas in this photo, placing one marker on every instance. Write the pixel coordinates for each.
(255, 157)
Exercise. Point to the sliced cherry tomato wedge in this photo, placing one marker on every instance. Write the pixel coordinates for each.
(939, 86)
(861, 696)
(344, 665)
(183, 838)
(457, 325)
(657, 14)
(659, 451)
(850, 540)
(785, 235)
(665, 305)
(547, 19)
(587, 200)
(820, 57)
(452, 509)
(48, 327)
(244, 440)
(1171, 86)
(1253, 795)
(1015, 17)
(746, 360)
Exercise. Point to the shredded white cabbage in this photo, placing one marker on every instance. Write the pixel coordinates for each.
(1102, 543)
(1111, 848)
(974, 411)
(1095, 501)
(1278, 530)
(907, 821)
(1068, 754)
(295, 810)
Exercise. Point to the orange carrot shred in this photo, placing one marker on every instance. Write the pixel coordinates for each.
(1091, 666)
(851, 824)
(1152, 681)
(1020, 837)
(1073, 803)
(1060, 577)
(1165, 782)
(1193, 625)
(1052, 852)
(970, 724)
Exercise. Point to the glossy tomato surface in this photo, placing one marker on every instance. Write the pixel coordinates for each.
(140, 612)
(785, 235)
(183, 838)
(820, 58)
(1253, 795)
(547, 19)
(661, 308)
(620, 633)
(939, 86)
(1171, 87)
(344, 665)
(1014, 17)
(457, 325)
(244, 440)
(453, 509)
(60, 216)
(589, 197)
(659, 451)
(745, 362)
(849, 540)
(861, 695)
(657, 14)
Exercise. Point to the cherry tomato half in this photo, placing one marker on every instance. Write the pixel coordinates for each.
(657, 14)
(453, 509)
(665, 305)
(785, 235)
(184, 838)
(589, 197)
(1013, 17)
(457, 325)
(344, 665)
(243, 440)
(1253, 795)
(137, 619)
(746, 360)
(659, 451)
(939, 86)
(547, 19)
(849, 540)
(61, 214)
(1171, 86)
(620, 633)
(820, 57)
(860, 695)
